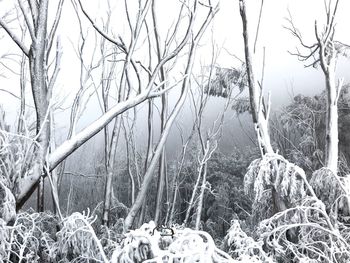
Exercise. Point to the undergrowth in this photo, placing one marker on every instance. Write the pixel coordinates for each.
(312, 227)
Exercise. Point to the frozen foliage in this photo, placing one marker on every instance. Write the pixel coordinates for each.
(29, 239)
(41, 237)
(331, 189)
(7, 204)
(273, 172)
(306, 229)
(16, 157)
(185, 245)
(77, 239)
(244, 248)
(34, 238)
(305, 233)
(224, 80)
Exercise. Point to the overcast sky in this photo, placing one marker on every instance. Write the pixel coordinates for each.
(284, 74)
(283, 71)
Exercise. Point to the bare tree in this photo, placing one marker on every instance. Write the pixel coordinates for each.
(209, 141)
(162, 171)
(259, 109)
(196, 36)
(134, 96)
(36, 19)
(324, 52)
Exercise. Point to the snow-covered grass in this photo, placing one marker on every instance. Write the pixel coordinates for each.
(42, 236)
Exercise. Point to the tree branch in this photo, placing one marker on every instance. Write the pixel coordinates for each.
(20, 44)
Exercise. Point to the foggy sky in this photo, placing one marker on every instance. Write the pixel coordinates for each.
(284, 75)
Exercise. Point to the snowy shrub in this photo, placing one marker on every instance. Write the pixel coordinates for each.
(305, 229)
(77, 239)
(31, 237)
(331, 190)
(7, 204)
(111, 236)
(305, 233)
(186, 245)
(273, 173)
(242, 247)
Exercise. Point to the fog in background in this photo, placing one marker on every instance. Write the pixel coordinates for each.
(284, 76)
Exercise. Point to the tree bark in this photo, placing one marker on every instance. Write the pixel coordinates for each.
(328, 67)
(37, 63)
(201, 198)
(110, 171)
(255, 91)
(162, 160)
(148, 155)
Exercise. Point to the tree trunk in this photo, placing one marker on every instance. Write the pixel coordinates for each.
(37, 63)
(201, 198)
(194, 192)
(148, 175)
(21, 119)
(40, 195)
(160, 187)
(255, 91)
(260, 113)
(332, 121)
(110, 171)
(162, 160)
(148, 155)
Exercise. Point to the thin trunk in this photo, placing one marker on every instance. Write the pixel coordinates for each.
(164, 113)
(40, 195)
(128, 164)
(163, 137)
(160, 186)
(194, 192)
(21, 119)
(255, 91)
(172, 211)
(54, 175)
(110, 171)
(201, 198)
(148, 155)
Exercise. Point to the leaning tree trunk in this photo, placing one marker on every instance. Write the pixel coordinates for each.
(110, 171)
(148, 155)
(260, 112)
(162, 168)
(201, 198)
(149, 173)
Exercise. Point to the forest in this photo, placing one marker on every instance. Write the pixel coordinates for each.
(148, 131)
